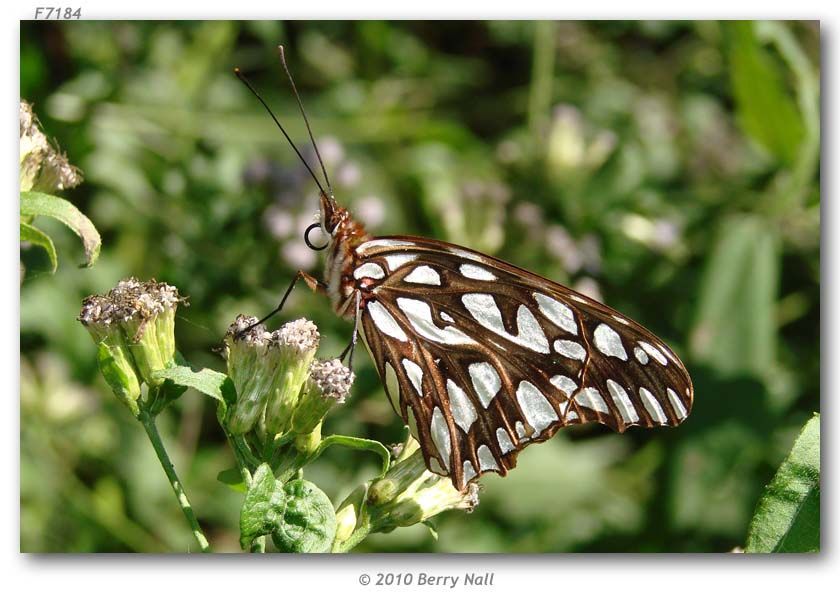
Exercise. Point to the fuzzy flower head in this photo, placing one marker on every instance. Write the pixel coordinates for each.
(328, 384)
(268, 370)
(134, 327)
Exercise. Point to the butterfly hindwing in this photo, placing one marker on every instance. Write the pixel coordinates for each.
(485, 358)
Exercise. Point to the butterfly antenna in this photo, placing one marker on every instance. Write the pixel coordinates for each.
(242, 78)
(305, 119)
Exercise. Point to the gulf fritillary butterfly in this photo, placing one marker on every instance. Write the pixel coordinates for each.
(481, 358)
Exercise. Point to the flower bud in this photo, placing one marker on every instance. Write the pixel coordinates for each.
(409, 493)
(249, 369)
(294, 344)
(113, 355)
(42, 168)
(328, 384)
(146, 311)
(346, 520)
(268, 371)
(134, 327)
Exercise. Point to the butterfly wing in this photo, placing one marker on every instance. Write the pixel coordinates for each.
(482, 358)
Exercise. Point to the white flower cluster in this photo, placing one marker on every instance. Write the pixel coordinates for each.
(332, 378)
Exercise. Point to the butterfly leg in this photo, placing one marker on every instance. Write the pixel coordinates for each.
(352, 345)
(313, 284)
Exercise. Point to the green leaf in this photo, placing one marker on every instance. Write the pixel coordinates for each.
(207, 381)
(308, 522)
(233, 479)
(735, 327)
(767, 111)
(33, 235)
(787, 518)
(263, 506)
(35, 204)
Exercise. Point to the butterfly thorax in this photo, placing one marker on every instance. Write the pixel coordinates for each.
(340, 263)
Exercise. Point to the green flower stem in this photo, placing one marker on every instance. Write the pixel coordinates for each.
(358, 535)
(258, 545)
(356, 444)
(243, 452)
(154, 437)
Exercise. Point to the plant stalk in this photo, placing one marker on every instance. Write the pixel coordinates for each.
(154, 437)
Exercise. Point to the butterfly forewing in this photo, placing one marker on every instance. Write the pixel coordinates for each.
(482, 358)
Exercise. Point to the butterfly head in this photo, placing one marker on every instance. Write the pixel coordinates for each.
(330, 215)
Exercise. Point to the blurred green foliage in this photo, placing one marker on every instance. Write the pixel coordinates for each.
(671, 168)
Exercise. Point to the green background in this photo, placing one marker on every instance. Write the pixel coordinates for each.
(670, 168)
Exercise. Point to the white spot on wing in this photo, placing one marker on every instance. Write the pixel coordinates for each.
(469, 471)
(505, 443)
(383, 243)
(385, 322)
(462, 408)
(446, 317)
(423, 275)
(536, 409)
(677, 404)
(369, 270)
(436, 467)
(486, 461)
(654, 352)
(520, 430)
(570, 349)
(622, 401)
(557, 312)
(415, 375)
(531, 334)
(419, 314)
(440, 435)
(565, 384)
(395, 261)
(471, 271)
(486, 382)
(484, 309)
(591, 398)
(641, 355)
(609, 342)
(652, 406)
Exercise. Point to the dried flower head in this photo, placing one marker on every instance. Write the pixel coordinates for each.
(42, 167)
(134, 327)
(140, 316)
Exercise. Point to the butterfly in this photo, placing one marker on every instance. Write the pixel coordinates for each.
(481, 358)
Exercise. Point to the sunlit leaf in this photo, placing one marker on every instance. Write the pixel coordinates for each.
(308, 521)
(38, 204)
(787, 518)
(766, 109)
(262, 508)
